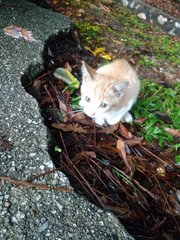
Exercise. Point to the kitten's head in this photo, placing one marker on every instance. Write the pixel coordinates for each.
(99, 92)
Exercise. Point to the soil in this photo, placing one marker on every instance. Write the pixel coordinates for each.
(170, 7)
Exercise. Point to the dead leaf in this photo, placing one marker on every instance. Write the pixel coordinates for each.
(145, 50)
(62, 106)
(161, 171)
(69, 127)
(105, 8)
(124, 132)
(83, 155)
(107, 147)
(78, 116)
(140, 120)
(121, 147)
(37, 84)
(67, 66)
(132, 61)
(134, 141)
(122, 152)
(27, 35)
(172, 131)
(108, 130)
(82, 119)
(19, 32)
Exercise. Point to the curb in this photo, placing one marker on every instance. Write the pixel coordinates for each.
(153, 15)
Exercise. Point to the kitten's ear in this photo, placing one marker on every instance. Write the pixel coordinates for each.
(88, 73)
(118, 88)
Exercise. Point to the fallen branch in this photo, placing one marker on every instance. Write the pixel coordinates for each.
(25, 183)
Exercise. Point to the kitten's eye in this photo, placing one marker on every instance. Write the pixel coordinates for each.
(103, 105)
(87, 99)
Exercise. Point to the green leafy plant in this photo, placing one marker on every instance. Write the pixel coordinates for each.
(57, 149)
(88, 30)
(178, 159)
(147, 62)
(137, 34)
(164, 47)
(75, 102)
(155, 100)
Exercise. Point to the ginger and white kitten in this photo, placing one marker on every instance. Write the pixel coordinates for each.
(108, 93)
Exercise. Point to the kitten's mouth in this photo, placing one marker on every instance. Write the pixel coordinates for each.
(89, 114)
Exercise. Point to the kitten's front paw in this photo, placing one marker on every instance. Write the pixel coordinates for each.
(81, 103)
(128, 117)
(100, 121)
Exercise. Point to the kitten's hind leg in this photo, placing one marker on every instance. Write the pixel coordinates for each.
(128, 117)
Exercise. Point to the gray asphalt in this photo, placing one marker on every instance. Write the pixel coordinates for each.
(27, 213)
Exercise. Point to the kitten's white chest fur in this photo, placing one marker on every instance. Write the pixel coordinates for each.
(108, 93)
